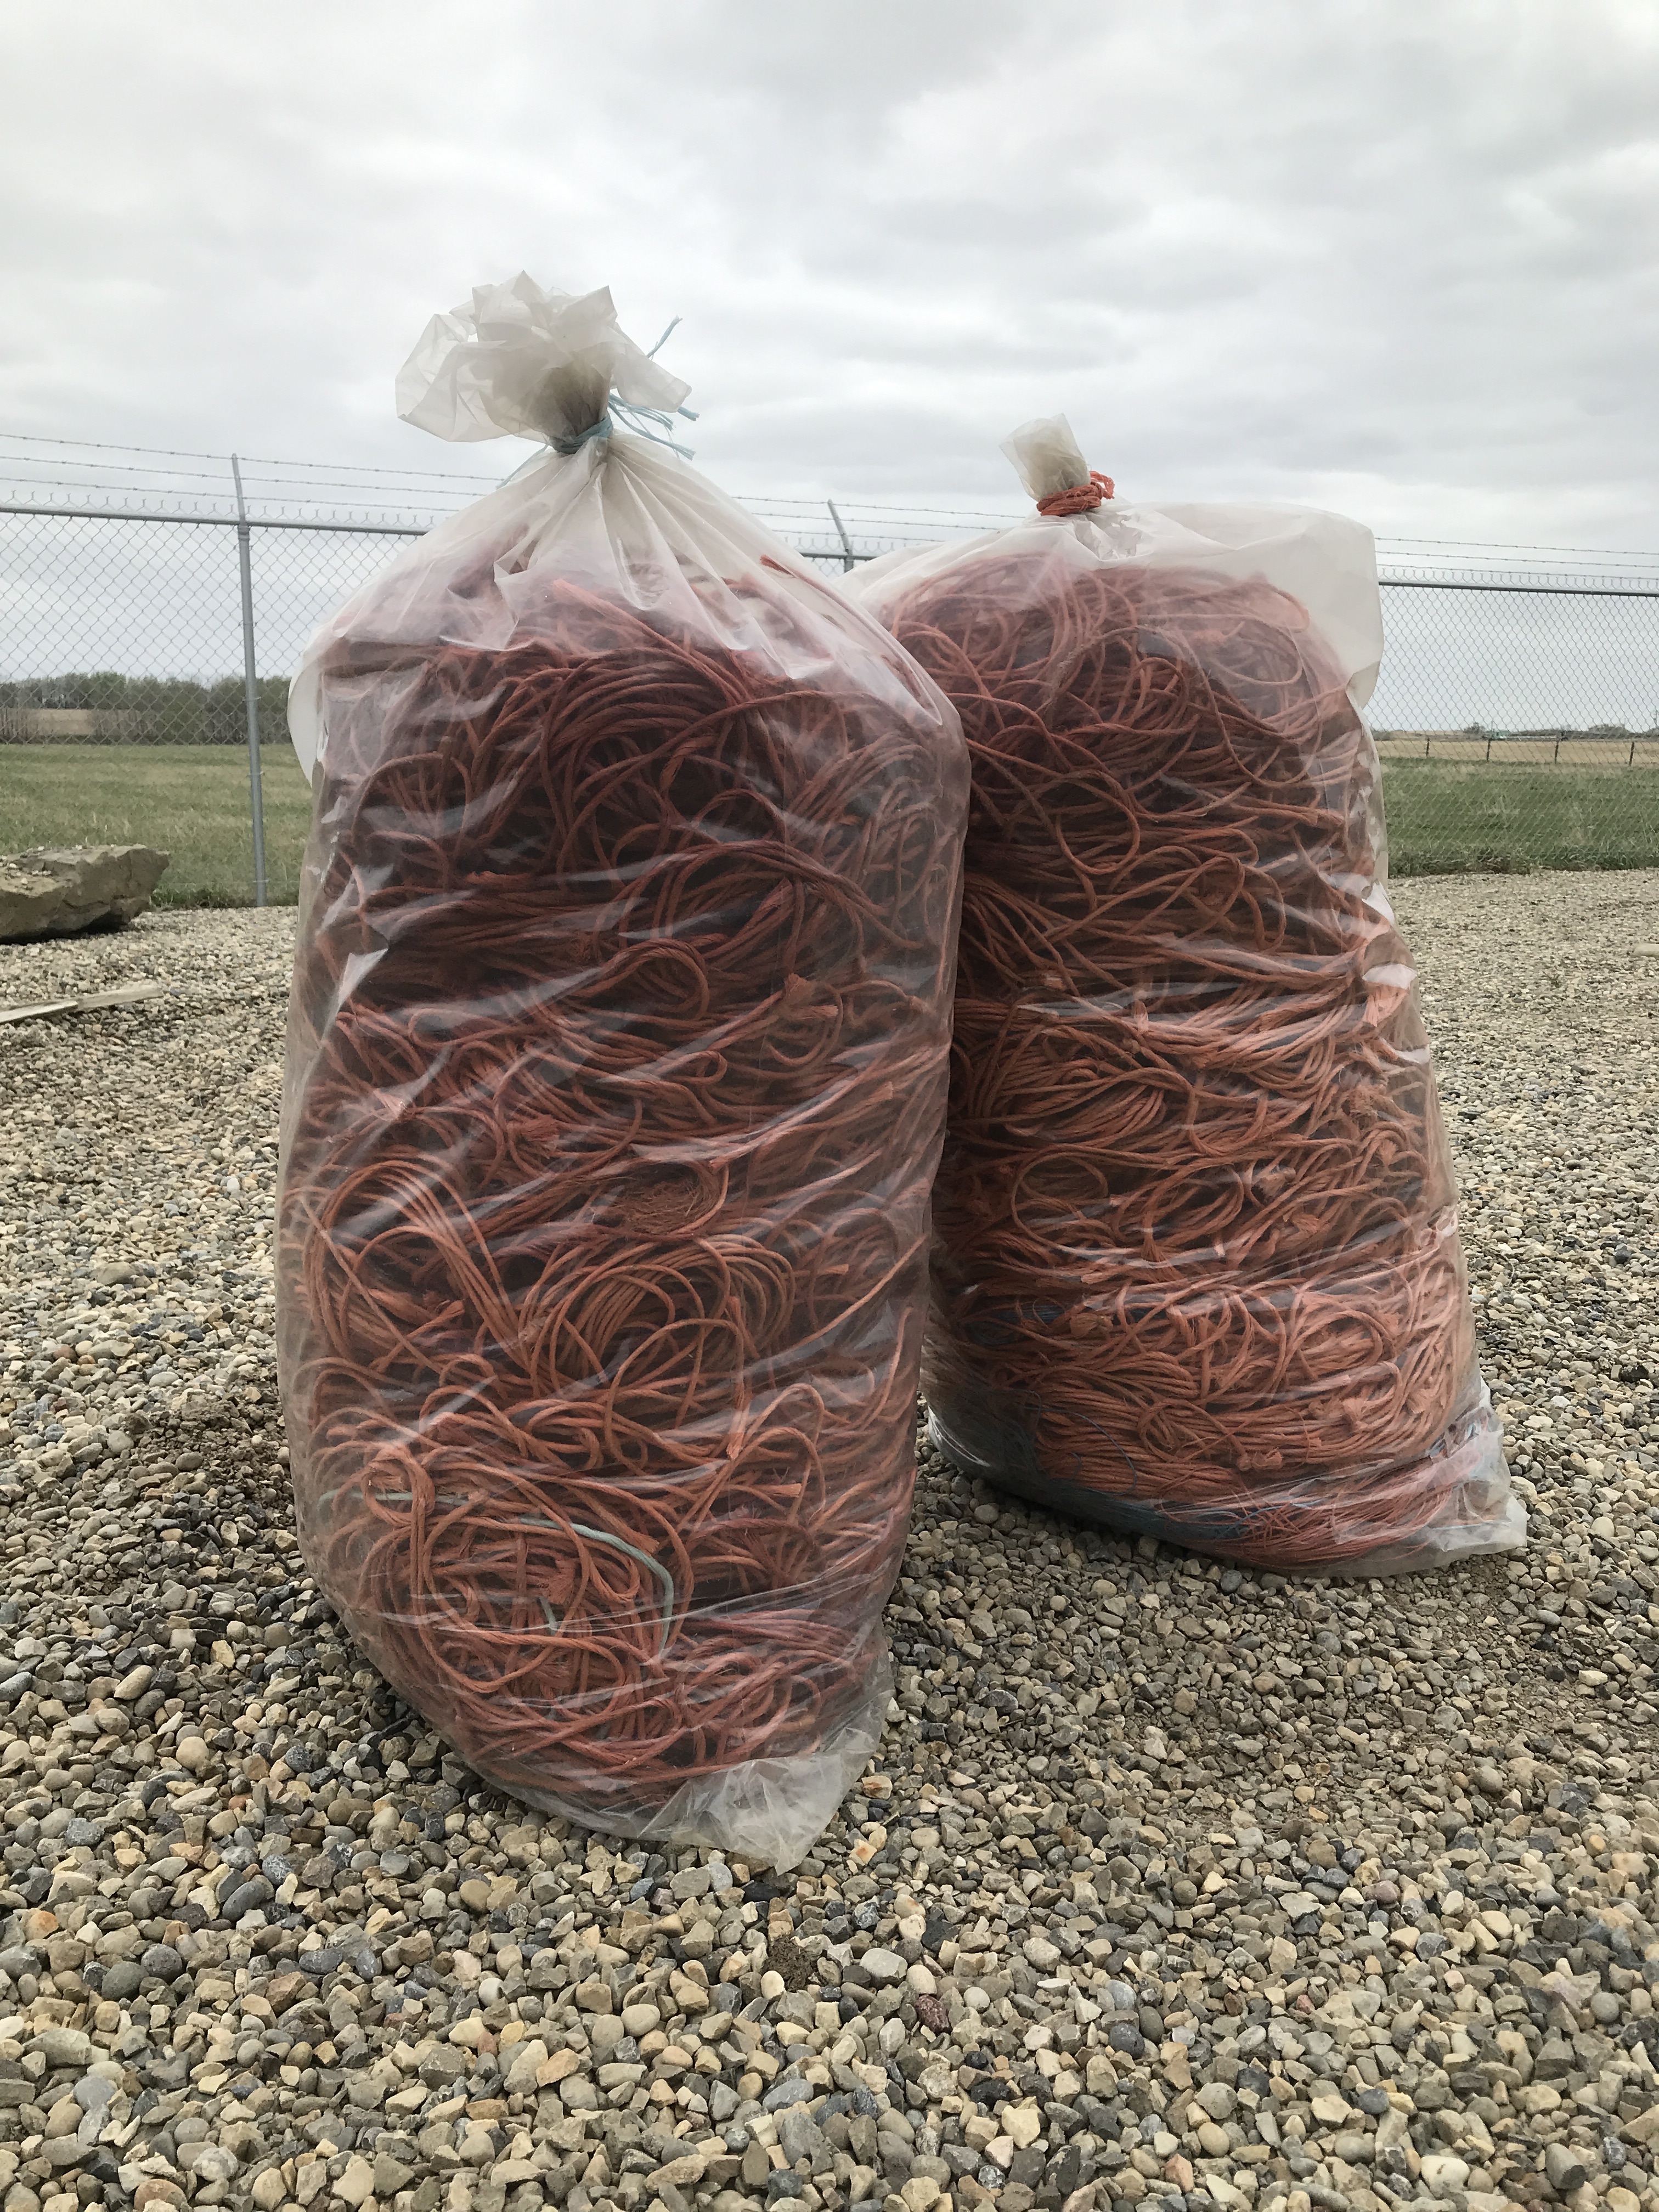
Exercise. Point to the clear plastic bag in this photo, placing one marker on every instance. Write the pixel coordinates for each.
(615, 1087)
(1197, 1271)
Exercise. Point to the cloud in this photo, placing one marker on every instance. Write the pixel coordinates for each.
(1388, 254)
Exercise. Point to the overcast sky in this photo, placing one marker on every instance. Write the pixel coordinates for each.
(1396, 257)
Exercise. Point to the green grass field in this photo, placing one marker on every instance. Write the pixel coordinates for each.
(189, 801)
(1446, 817)
(192, 801)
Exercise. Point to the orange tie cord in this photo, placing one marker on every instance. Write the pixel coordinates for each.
(1079, 499)
(616, 1083)
(1197, 1271)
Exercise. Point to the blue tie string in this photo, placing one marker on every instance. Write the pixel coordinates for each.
(639, 419)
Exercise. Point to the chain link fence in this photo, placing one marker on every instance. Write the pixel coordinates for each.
(1517, 718)
(1517, 714)
(124, 687)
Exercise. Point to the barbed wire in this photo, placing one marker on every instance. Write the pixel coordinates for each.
(47, 471)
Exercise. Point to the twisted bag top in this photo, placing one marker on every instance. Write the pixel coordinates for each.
(614, 1094)
(1327, 564)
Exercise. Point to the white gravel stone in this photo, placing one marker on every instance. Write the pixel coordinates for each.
(1168, 1882)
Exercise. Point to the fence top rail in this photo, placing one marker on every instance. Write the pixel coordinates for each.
(209, 522)
(1586, 591)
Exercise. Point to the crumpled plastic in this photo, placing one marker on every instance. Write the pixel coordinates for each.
(517, 361)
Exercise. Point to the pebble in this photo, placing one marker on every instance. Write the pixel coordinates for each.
(882, 1966)
(1200, 1889)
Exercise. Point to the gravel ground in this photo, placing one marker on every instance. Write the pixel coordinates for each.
(1170, 1883)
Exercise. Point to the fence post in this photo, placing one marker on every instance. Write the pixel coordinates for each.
(848, 559)
(251, 685)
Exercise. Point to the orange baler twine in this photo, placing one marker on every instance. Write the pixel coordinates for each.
(617, 1082)
(1197, 1271)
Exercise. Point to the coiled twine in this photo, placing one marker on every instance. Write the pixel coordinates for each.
(1197, 1267)
(616, 1085)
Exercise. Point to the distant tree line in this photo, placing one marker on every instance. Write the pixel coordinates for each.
(104, 708)
(1558, 730)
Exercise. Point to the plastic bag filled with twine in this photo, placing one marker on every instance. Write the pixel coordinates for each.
(1197, 1272)
(615, 1087)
